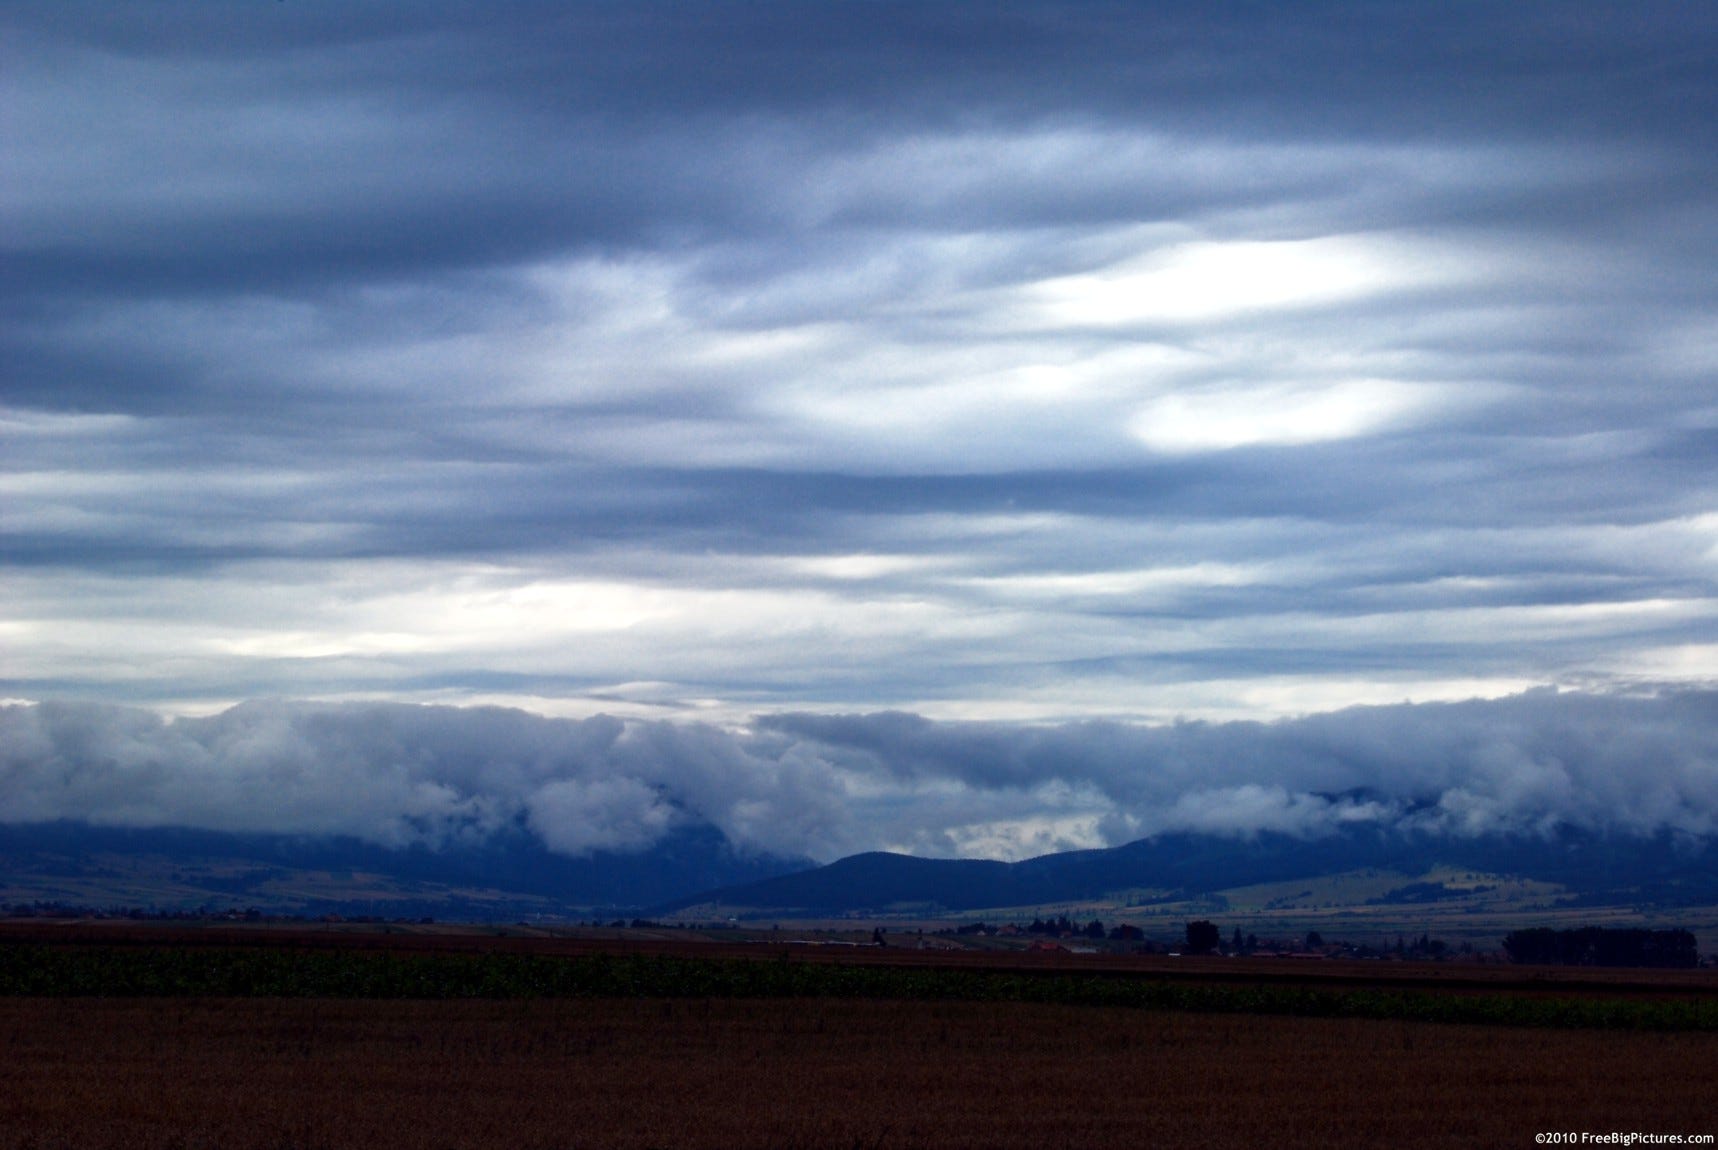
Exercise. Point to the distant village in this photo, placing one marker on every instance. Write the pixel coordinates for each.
(1583, 946)
(1204, 937)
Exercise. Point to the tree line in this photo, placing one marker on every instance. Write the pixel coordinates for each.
(1602, 946)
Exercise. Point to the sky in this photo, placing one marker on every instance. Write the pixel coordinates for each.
(725, 393)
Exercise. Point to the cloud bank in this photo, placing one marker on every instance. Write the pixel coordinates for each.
(831, 785)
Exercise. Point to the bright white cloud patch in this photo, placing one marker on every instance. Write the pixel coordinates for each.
(1291, 415)
(1206, 280)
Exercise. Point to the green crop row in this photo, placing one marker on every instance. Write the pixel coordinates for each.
(123, 972)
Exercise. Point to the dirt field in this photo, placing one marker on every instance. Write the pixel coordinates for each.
(270, 1073)
(303, 1073)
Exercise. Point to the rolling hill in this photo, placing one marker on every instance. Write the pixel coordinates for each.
(1591, 870)
(696, 869)
(507, 876)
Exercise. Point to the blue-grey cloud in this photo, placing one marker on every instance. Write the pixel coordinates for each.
(1047, 361)
(829, 785)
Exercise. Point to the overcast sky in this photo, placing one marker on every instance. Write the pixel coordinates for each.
(1024, 363)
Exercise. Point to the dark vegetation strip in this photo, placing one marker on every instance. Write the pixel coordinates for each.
(129, 972)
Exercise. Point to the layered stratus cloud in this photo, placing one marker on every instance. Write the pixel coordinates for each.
(831, 785)
(1040, 363)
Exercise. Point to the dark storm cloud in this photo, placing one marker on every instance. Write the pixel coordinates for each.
(207, 148)
(832, 785)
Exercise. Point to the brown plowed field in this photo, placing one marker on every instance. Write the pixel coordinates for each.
(275, 1074)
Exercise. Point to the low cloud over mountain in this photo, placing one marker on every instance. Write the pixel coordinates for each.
(826, 786)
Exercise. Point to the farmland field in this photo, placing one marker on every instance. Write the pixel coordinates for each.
(274, 1073)
(466, 1041)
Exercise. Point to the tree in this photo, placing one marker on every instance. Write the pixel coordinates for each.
(1203, 937)
(1602, 946)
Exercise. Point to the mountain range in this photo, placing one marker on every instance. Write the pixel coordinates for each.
(506, 876)
(513, 874)
(1592, 869)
